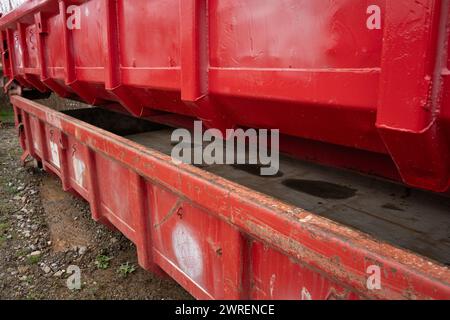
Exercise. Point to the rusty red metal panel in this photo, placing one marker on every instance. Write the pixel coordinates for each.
(316, 70)
(216, 238)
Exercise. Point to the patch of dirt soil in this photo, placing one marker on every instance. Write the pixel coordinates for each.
(65, 220)
(43, 231)
(61, 104)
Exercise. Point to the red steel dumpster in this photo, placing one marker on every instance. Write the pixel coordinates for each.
(350, 83)
(222, 240)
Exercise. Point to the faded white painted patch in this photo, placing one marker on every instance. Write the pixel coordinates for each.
(21, 55)
(305, 294)
(35, 145)
(78, 168)
(55, 154)
(86, 11)
(306, 219)
(273, 278)
(187, 251)
(53, 120)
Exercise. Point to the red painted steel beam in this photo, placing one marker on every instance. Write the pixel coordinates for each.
(194, 65)
(408, 110)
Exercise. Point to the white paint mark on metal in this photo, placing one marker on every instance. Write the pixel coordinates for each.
(273, 278)
(21, 55)
(308, 218)
(55, 154)
(187, 251)
(78, 169)
(35, 145)
(53, 120)
(374, 20)
(305, 294)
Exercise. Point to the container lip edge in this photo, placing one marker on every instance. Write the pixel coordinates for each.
(26, 8)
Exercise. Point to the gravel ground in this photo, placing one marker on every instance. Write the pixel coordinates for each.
(43, 231)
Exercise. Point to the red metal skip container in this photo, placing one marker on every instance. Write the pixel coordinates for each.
(356, 84)
(350, 83)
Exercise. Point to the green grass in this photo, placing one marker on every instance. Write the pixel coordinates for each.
(4, 226)
(32, 296)
(6, 115)
(21, 253)
(2, 239)
(34, 259)
(102, 262)
(126, 269)
(5, 187)
(11, 190)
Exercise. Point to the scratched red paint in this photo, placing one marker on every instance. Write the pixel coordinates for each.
(340, 93)
(217, 239)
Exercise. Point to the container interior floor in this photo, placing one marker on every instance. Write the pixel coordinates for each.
(411, 219)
